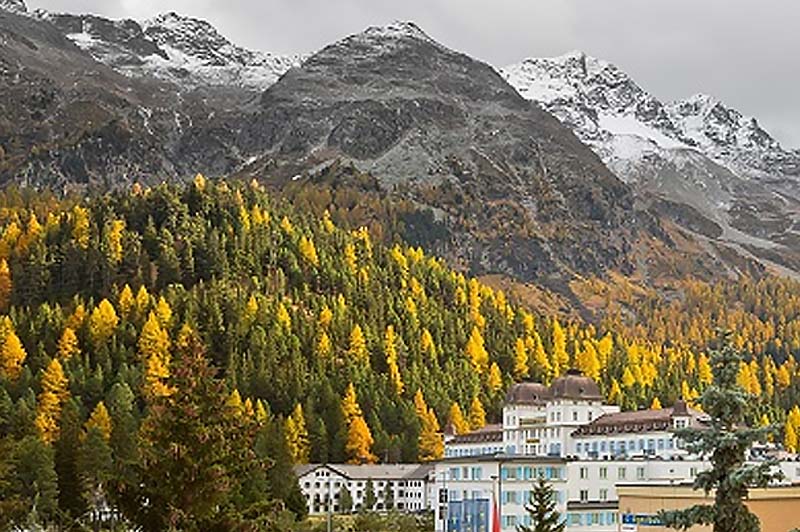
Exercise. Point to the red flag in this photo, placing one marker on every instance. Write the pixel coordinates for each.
(495, 515)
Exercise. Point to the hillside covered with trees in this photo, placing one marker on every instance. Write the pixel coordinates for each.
(322, 341)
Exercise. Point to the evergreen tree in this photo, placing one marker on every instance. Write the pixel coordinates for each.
(370, 499)
(725, 443)
(345, 500)
(542, 509)
(193, 455)
(388, 496)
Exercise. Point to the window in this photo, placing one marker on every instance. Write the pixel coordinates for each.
(640, 473)
(584, 495)
(603, 494)
(574, 416)
(692, 472)
(584, 473)
(603, 473)
(621, 473)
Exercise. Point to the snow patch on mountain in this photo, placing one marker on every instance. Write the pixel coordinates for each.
(602, 103)
(698, 151)
(186, 51)
(14, 6)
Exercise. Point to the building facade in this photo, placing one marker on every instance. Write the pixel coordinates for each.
(586, 449)
(401, 487)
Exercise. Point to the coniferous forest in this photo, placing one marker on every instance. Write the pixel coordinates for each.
(217, 316)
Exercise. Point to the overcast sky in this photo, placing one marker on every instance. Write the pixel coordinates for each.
(745, 52)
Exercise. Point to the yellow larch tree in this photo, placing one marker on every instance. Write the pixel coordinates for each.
(457, 420)
(588, 361)
(359, 443)
(154, 339)
(102, 322)
(297, 436)
(656, 404)
(12, 354)
(476, 352)
(80, 226)
(494, 380)
(704, 374)
(560, 357)
(615, 393)
(430, 444)
(68, 344)
(350, 258)
(324, 347)
(350, 407)
(142, 300)
(541, 363)
(477, 415)
(520, 359)
(163, 312)
(358, 346)
(113, 239)
(125, 301)
(282, 316)
(5, 285)
(308, 250)
(391, 360)
(325, 317)
(156, 374)
(100, 420)
(48, 409)
(234, 403)
(428, 346)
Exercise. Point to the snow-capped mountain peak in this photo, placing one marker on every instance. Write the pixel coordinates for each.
(183, 50)
(696, 151)
(14, 6)
(397, 29)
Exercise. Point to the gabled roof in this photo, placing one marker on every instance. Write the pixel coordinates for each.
(371, 471)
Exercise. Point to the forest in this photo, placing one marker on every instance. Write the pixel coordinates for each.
(307, 338)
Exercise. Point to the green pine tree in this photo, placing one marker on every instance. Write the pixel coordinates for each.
(542, 509)
(725, 444)
(370, 499)
(345, 500)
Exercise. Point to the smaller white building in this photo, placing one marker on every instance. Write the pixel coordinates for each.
(408, 486)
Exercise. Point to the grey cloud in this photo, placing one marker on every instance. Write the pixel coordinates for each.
(745, 53)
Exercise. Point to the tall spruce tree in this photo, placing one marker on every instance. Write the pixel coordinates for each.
(725, 443)
(542, 509)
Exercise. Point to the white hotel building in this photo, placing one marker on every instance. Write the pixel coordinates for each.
(584, 447)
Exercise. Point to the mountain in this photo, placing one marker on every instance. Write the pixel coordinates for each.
(447, 150)
(707, 166)
(186, 51)
(517, 190)
(68, 120)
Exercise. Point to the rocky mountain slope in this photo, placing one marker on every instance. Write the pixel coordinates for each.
(739, 184)
(67, 120)
(518, 190)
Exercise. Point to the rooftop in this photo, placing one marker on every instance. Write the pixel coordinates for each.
(371, 471)
(572, 385)
(638, 420)
(489, 433)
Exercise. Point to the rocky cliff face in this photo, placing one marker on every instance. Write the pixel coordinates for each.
(695, 152)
